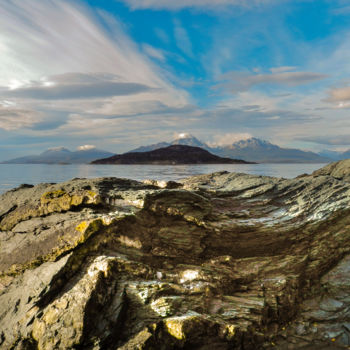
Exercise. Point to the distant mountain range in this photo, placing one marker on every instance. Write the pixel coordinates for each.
(252, 149)
(171, 155)
(334, 155)
(61, 155)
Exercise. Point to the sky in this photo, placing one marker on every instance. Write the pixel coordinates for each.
(119, 74)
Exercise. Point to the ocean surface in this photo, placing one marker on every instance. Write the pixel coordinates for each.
(12, 175)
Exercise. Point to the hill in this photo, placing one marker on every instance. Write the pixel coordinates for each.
(174, 154)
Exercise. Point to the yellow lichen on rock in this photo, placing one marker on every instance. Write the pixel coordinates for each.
(82, 226)
(88, 229)
(181, 326)
(230, 331)
(48, 196)
(60, 200)
(53, 201)
(175, 328)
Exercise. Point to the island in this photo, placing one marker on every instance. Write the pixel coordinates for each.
(171, 155)
(222, 261)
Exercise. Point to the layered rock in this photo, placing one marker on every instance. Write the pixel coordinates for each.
(219, 261)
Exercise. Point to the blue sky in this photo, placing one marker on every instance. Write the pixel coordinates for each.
(120, 74)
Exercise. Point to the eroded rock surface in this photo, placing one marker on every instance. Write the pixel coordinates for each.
(219, 261)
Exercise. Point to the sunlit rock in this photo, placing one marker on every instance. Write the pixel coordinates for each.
(218, 261)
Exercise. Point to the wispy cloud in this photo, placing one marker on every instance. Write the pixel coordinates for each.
(75, 86)
(55, 50)
(54, 37)
(182, 39)
(282, 69)
(180, 4)
(229, 138)
(340, 96)
(153, 52)
(341, 11)
(340, 140)
(240, 81)
(16, 118)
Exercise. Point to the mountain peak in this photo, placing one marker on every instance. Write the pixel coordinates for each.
(188, 140)
(57, 149)
(252, 142)
(185, 135)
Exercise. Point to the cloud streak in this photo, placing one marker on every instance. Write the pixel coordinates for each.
(200, 4)
(239, 81)
(55, 50)
(339, 95)
(54, 37)
(84, 86)
(15, 118)
(182, 39)
(340, 140)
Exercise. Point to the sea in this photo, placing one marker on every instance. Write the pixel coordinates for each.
(13, 175)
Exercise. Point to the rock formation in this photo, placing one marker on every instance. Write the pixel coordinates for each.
(219, 261)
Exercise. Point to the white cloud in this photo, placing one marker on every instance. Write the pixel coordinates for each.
(180, 4)
(153, 52)
(339, 95)
(229, 138)
(86, 147)
(76, 86)
(12, 118)
(54, 37)
(54, 51)
(182, 135)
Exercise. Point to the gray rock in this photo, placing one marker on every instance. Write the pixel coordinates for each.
(220, 261)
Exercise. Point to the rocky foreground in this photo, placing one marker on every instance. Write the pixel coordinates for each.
(220, 261)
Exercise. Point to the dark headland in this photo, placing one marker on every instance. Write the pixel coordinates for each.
(224, 261)
(171, 155)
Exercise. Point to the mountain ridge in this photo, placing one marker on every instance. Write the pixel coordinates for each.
(252, 150)
(59, 155)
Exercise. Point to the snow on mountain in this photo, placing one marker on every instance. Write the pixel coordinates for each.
(251, 149)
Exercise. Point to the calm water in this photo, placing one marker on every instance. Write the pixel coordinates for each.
(12, 175)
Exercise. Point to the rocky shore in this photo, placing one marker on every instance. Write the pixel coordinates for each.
(219, 261)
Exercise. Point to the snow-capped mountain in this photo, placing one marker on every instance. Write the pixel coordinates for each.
(182, 139)
(252, 149)
(262, 151)
(189, 140)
